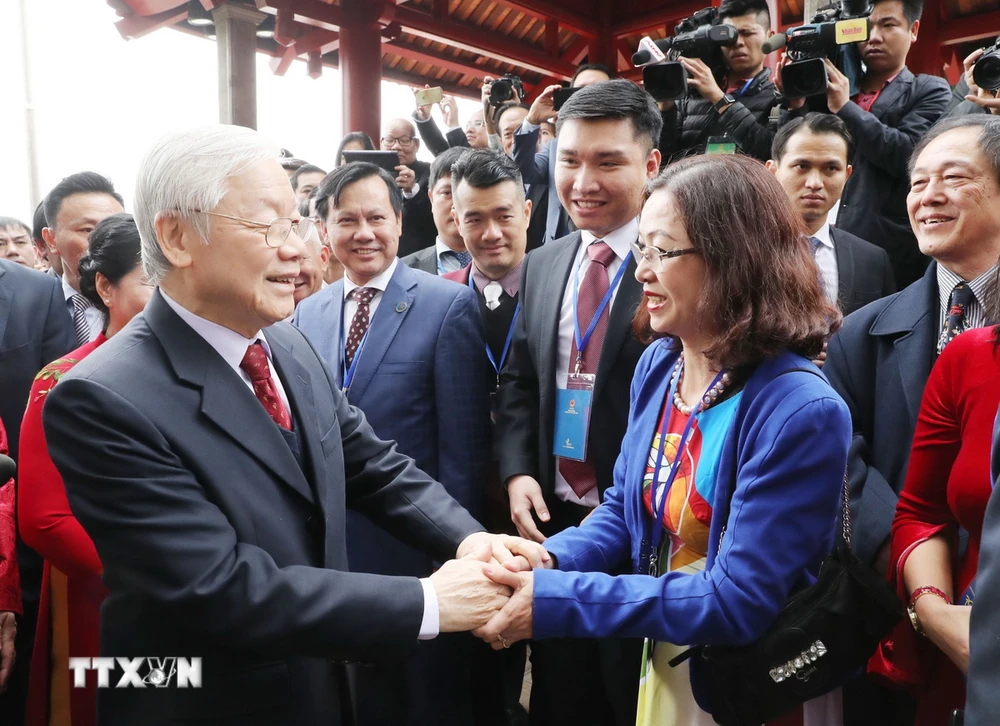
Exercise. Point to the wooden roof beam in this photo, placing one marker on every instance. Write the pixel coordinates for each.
(971, 27)
(307, 12)
(546, 9)
(657, 19)
(136, 26)
(439, 60)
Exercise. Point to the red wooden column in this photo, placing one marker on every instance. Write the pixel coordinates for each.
(361, 66)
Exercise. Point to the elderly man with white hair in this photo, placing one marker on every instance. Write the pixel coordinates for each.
(218, 463)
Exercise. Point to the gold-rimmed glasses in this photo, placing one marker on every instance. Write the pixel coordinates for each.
(277, 230)
(654, 256)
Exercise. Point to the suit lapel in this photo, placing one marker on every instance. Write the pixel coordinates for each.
(891, 94)
(225, 398)
(844, 253)
(6, 302)
(397, 300)
(619, 323)
(329, 346)
(562, 270)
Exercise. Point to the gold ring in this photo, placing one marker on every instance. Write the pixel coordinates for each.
(503, 641)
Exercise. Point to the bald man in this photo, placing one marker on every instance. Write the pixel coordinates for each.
(412, 177)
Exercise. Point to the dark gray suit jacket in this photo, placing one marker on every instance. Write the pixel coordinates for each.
(425, 259)
(864, 273)
(527, 395)
(217, 543)
(879, 363)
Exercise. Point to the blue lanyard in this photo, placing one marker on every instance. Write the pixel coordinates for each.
(657, 536)
(347, 374)
(581, 341)
(510, 336)
(744, 89)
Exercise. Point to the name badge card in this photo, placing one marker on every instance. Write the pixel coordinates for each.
(573, 405)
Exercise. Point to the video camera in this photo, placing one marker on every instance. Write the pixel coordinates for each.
(986, 71)
(834, 33)
(503, 89)
(700, 36)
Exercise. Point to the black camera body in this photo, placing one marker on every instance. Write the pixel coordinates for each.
(701, 36)
(986, 71)
(503, 89)
(834, 32)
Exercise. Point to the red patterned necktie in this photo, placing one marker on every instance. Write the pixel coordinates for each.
(580, 475)
(256, 366)
(359, 326)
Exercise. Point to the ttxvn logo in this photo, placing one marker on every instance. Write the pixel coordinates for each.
(138, 672)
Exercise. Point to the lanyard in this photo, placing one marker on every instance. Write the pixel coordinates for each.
(745, 87)
(658, 509)
(582, 340)
(347, 374)
(510, 337)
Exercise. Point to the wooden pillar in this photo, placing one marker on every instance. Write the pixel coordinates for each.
(236, 36)
(361, 66)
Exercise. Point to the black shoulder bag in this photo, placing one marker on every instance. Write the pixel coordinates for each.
(823, 633)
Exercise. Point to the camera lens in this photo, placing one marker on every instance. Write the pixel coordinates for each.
(501, 92)
(986, 72)
(804, 78)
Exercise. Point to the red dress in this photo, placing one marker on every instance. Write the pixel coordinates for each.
(10, 582)
(947, 486)
(72, 591)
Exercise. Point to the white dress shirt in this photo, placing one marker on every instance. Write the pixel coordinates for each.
(619, 240)
(975, 313)
(826, 260)
(380, 282)
(93, 316)
(232, 347)
(445, 262)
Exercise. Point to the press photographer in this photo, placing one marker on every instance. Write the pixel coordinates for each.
(740, 112)
(890, 112)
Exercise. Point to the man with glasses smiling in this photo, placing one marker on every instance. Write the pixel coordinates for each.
(412, 178)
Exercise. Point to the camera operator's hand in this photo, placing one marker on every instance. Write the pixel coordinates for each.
(423, 112)
(449, 108)
(544, 106)
(700, 78)
(838, 88)
(491, 128)
(793, 104)
(977, 95)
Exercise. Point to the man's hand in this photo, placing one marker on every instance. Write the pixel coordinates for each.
(513, 552)
(405, 177)
(819, 360)
(525, 496)
(513, 622)
(947, 626)
(449, 108)
(467, 598)
(544, 106)
(8, 632)
(423, 112)
(977, 95)
(838, 88)
(700, 78)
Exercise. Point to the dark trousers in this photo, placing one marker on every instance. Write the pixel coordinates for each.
(583, 682)
(867, 703)
(12, 701)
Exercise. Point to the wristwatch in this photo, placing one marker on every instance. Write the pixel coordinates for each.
(911, 609)
(726, 100)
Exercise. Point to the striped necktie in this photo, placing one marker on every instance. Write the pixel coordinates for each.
(80, 306)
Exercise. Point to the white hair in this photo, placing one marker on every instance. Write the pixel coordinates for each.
(189, 170)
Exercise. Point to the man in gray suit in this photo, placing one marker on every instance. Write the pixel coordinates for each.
(219, 518)
(448, 252)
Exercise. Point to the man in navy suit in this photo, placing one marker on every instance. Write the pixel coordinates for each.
(880, 360)
(35, 329)
(407, 348)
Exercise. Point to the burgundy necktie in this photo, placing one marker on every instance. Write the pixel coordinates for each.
(359, 325)
(256, 366)
(580, 475)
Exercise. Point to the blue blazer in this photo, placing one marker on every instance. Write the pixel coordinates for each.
(780, 478)
(423, 381)
(540, 168)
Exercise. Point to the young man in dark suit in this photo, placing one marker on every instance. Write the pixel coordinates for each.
(607, 133)
(880, 360)
(810, 157)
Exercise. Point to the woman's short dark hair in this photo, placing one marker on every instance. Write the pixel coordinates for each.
(333, 186)
(113, 252)
(762, 290)
(351, 137)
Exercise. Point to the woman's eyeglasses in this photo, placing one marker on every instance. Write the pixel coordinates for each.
(654, 256)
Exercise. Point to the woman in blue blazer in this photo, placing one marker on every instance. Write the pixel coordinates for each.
(730, 418)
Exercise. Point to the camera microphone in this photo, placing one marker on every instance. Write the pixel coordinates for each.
(651, 51)
(775, 42)
(7, 469)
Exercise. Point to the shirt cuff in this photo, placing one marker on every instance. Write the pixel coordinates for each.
(430, 623)
(527, 127)
(412, 193)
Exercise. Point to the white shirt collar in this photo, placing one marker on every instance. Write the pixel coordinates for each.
(380, 282)
(68, 290)
(228, 343)
(620, 240)
(823, 235)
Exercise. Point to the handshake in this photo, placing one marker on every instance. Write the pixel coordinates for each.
(488, 588)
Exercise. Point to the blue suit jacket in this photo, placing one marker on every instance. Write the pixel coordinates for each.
(780, 478)
(423, 381)
(540, 168)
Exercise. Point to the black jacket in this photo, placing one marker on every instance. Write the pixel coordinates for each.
(692, 120)
(418, 220)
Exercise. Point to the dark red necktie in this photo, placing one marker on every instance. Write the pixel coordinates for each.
(363, 296)
(256, 366)
(580, 475)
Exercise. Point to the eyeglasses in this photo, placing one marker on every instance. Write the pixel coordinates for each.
(401, 140)
(477, 124)
(654, 257)
(277, 230)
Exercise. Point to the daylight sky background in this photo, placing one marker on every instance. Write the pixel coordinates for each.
(100, 101)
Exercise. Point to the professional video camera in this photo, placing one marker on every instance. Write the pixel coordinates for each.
(986, 71)
(834, 34)
(503, 89)
(700, 36)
